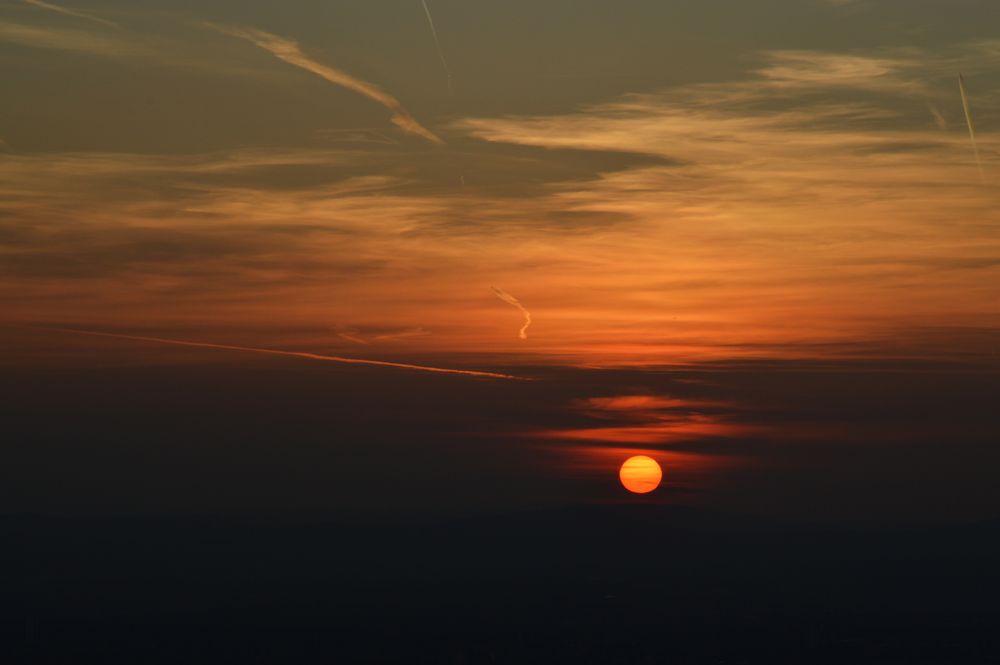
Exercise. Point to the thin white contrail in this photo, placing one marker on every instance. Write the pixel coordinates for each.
(293, 354)
(71, 12)
(972, 126)
(290, 52)
(437, 43)
(511, 300)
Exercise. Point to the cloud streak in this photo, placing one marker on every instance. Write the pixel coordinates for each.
(60, 39)
(802, 69)
(290, 52)
(71, 12)
(651, 420)
(511, 300)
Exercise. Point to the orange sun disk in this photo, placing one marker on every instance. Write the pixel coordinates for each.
(640, 474)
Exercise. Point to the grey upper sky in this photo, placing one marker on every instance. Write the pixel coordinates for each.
(162, 83)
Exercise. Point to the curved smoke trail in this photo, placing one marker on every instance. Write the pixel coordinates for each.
(511, 300)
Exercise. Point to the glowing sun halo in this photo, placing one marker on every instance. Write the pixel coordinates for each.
(640, 474)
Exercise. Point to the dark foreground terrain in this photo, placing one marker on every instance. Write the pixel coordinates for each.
(630, 584)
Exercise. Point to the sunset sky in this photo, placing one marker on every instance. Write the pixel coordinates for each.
(754, 238)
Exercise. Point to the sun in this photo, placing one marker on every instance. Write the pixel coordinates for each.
(640, 474)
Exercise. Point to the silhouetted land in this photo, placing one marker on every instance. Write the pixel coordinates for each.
(631, 584)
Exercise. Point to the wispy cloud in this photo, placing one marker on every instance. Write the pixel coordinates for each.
(187, 50)
(651, 420)
(290, 52)
(63, 39)
(852, 177)
(71, 12)
(830, 70)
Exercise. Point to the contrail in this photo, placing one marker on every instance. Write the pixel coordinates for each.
(289, 51)
(351, 337)
(511, 300)
(293, 354)
(972, 126)
(437, 43)
(350, 334)
(70, 12)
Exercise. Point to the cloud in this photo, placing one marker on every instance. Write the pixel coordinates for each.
(829, 70)
(732, 126)
(68, 40)
(179, 46)
(651, 420)
(735, 220)
(71, 12)
(290, 52)
(826, 157)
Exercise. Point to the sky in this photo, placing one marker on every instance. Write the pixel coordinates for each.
(754, 240)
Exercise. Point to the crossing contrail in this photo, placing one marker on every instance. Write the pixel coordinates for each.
(70, 12)
(293, 354)
(972, 126)
(290, 52)
(437, 43)
(353, 338)
(511, 300)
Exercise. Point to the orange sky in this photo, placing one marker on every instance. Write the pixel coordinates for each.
(673, 190)
(817, 203)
